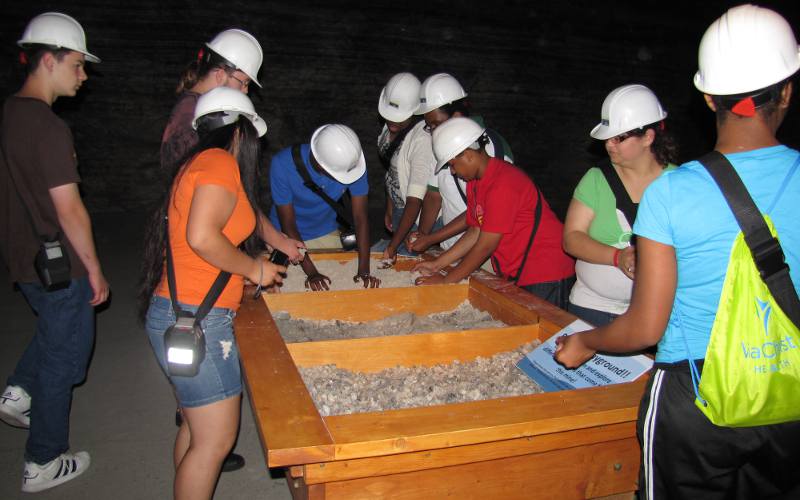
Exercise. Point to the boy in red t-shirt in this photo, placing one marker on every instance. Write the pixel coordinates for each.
(508, 218)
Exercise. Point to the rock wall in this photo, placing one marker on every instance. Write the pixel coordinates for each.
(537, 72)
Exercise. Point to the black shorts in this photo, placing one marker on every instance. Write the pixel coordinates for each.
(685, 456)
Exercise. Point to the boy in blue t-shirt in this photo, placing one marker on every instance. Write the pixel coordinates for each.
(335, 163)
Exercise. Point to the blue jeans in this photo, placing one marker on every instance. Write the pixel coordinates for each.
(55, 360)
(592, 316)
(219, 376)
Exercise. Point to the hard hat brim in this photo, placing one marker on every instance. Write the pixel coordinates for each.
(602, 132)
(88, 56)
(353, 175)
(260, 125)
(390, 113)
(253, 78)
(343, 177)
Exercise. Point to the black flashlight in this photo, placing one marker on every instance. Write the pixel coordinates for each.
(185, 344)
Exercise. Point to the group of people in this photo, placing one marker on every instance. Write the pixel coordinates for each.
(450, 181)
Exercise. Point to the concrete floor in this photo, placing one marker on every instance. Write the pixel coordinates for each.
(123, 415)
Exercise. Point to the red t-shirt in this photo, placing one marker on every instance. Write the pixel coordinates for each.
(504, 201)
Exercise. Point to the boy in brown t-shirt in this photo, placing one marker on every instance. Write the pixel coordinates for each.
(39, 200)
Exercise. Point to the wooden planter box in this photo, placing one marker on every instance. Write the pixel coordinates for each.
(570, 444)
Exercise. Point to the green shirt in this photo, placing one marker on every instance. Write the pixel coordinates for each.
(594, 192)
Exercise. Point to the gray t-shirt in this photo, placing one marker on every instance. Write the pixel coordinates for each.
(38, 150)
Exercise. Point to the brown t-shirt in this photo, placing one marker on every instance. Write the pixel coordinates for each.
(38, 150)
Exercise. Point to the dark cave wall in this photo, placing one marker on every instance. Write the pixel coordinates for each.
(537, 72)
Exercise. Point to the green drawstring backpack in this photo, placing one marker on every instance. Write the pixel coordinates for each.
(751, 373)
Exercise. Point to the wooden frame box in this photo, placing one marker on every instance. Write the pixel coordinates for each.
(569, 444)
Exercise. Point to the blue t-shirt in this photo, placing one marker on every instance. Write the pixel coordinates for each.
(314, 216)
(685, 209)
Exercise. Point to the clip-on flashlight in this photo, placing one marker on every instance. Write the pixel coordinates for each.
(185, 341)
(186, 347)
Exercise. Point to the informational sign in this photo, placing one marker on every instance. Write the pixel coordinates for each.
(602, 369)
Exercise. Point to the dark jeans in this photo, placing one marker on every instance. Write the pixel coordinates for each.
(55, 360)
(555, 292)
(591, 316)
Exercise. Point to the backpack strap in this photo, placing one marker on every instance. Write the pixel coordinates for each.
(765, 248)
(337, 207)
(624, 201)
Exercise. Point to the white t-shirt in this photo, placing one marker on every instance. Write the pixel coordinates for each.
(413, 160)
(453, 204)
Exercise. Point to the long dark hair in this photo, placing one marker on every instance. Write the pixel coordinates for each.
(207, 60)
(248, 158)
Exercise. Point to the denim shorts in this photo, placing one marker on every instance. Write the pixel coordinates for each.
(220, 376)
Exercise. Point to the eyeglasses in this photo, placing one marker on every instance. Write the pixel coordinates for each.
(243, 85)
(617, 139)
(430, 127)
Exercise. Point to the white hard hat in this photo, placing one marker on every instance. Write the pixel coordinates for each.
(438, 90)
(241, 49)
(232, 103)
(627, 108)
(399, 98)
(747, 49)
(57, 30)
(338, 150)
(454, 136)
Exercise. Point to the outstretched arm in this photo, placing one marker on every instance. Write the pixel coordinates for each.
(360, 207)
(211, 208)
(643, 324)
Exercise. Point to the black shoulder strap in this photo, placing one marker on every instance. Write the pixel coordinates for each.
(208, 301)
(766, 250)
(386, 156)
(460, 191)
(300, 165)
(624, 201)
(537, 218)
(497, 142)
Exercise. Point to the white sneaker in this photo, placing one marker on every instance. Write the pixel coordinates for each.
(63, 468)
(15, 407)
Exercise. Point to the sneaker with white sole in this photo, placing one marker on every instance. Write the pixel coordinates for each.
(63, 468)
(15, 407)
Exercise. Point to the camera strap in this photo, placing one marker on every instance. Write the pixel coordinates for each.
(300, 165)
(211, 296)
